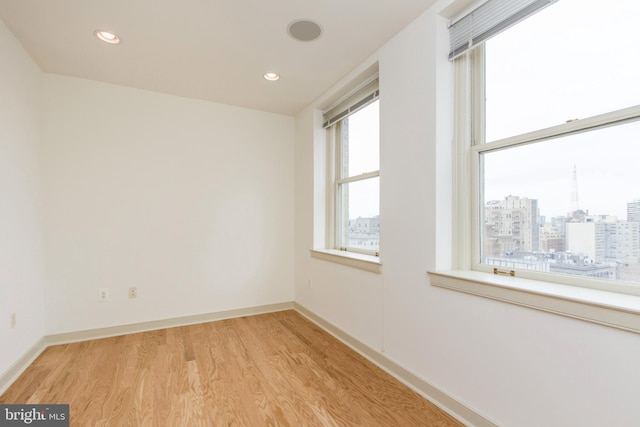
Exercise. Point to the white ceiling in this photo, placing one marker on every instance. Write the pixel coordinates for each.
(215, 50)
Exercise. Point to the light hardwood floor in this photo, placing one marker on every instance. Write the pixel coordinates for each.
(276, 369)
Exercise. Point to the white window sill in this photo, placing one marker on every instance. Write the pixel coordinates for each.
(605, 308)
(351, 259)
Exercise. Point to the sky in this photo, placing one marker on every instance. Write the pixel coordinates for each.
(585, 62)
(364, 156)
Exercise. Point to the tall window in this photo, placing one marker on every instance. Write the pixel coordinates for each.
(353, 142)
(553, 144)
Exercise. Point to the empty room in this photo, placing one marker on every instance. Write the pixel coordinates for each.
(319, 213)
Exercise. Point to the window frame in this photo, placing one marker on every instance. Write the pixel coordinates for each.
(477, 146)
(577, 298)
(336, 182)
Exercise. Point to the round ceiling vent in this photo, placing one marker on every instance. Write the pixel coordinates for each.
(304, 30)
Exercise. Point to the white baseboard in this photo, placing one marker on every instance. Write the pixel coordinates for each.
(19, 366)
(452, 406)
(133, 328)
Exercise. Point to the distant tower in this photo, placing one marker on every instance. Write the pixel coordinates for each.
(575, 205)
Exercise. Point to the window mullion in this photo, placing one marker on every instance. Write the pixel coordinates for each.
(591, 123)
(331, 200)
(360, 177)
(340, 234)
(462, 200)
(339, 212)
(477, 78)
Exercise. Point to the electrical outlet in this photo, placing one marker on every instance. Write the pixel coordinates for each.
(12, 321)
(103, 294)
(133, 292)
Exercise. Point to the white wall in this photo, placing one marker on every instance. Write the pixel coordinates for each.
(515, 366)
(191, 202)
(21, 239)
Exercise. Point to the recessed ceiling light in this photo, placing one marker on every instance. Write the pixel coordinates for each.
(107, 37)
(304, 30)
(272, 77)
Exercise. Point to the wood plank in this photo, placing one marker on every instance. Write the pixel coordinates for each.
(275, 369)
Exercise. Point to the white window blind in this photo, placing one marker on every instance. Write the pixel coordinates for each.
(489, 19)
(363, 97)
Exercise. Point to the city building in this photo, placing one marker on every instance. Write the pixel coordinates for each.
(552, 238)
(604, 239)
(588, 269)
(365, 233)
(633, 211)
(511, 225)
(583, 238)
(559, 222)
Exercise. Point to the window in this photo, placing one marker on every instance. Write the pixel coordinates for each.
(549, 124)
(353, 147)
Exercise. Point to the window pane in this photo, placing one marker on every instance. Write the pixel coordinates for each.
(574, 59)
(359, 225)
(361, 142)
(570, 205)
